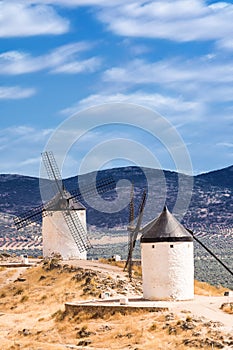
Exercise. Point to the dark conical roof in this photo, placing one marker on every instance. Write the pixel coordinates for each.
(165, 229)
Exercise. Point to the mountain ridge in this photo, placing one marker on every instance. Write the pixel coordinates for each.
(133, 166)
(211, 200)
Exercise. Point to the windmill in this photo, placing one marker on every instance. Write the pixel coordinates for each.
(64, 218)
(167, 255)
(133, 230)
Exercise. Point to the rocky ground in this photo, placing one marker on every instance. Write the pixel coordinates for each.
(32, 312)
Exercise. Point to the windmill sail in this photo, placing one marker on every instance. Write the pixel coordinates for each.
(134, 234)
(131, 211)
(130, 227)
(35, 214)
(53, 172)
(210, 252)
(77, 231)
(100, 186)
(25, 219)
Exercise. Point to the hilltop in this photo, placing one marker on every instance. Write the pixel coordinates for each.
(33, 314)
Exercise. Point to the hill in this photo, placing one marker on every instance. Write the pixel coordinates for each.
(33, 314)
(211, 201)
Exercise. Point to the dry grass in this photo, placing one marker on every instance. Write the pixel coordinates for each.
(142, 331)
(31, 305)
(112, 262)
(136, 269)
(6, 273)
(203, 288)
(33, 318)
(228, 308)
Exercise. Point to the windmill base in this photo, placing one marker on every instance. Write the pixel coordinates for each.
(58, 239)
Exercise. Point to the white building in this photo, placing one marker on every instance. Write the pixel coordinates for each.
(57, 237)
(167, 259)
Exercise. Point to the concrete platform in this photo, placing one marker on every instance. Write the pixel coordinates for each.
(122, 305)
(16, 264)
(206, 307)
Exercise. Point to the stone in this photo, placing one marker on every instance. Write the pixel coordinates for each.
(187, 325)
(84, 342)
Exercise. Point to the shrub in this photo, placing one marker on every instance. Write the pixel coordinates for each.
(59, 315)
(24, 298)
(18, 291)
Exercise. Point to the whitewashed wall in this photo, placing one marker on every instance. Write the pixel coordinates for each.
(168, 273)
(57, 237)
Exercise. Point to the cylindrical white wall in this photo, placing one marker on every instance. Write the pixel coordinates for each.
(57, 237)
(167, 270)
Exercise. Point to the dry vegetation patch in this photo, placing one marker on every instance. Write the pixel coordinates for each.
(227, 307)
(136, 269)
(203, 288)
(33, 316)
(142, 330)
(32, 305)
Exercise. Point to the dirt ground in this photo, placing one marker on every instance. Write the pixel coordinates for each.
(32, 312)
(201, 306)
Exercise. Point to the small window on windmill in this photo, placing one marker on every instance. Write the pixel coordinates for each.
(171, 246)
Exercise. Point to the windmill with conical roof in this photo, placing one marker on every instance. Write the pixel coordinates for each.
(167, 256)
(167, 259)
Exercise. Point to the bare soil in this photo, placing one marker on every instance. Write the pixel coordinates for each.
(32, 312)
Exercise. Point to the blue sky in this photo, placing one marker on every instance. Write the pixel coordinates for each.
(59, 57)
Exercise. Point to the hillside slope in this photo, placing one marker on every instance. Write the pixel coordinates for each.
(211, 201)
(33, 317)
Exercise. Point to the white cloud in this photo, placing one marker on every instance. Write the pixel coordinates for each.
(153, 100)
(21, 18)
(74, 3)
(226, 44)
(17, 131)
(26, 134)
(15, 92)
(63, 59)
(90, 65)
(205, 78)
(31, 161)
(136, 49)
(220, 93)
(225, 144)
(178, 20)
(171, 71)
(174, 108)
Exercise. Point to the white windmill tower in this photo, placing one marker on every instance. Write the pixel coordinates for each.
(58, 228)
(167, 259)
